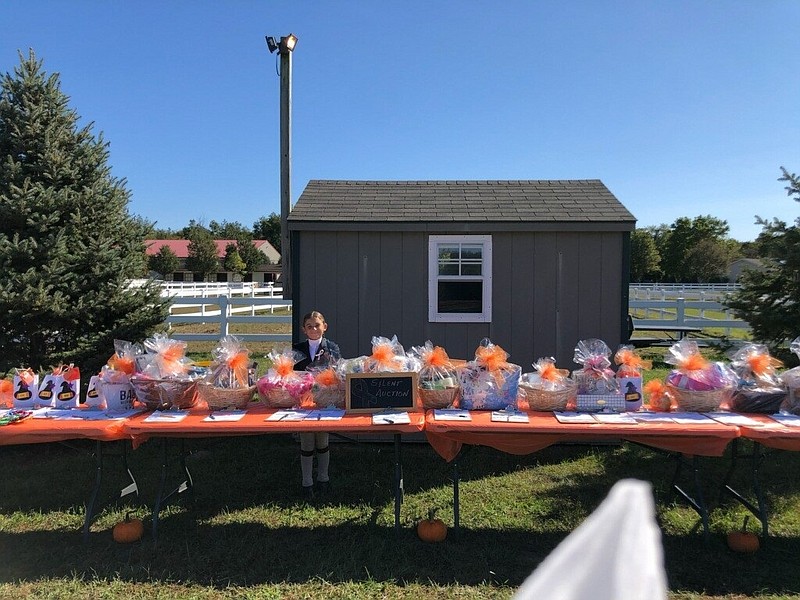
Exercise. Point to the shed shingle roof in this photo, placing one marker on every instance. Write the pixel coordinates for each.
(584, 200)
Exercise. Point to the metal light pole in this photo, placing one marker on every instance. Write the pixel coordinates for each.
(285, 47)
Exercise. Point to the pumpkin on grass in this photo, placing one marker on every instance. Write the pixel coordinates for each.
(743, 540)
(129, 530)
(432, 529)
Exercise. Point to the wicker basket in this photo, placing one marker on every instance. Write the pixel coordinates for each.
(439, 398)
(161, 394)
(545, 400)
(278, 397)
(697, 401)
(219, 398)
(329, 395)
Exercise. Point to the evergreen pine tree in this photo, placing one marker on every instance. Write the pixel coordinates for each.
(68, 246)
(768, 299)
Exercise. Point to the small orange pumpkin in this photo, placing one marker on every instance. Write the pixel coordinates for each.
(129, 530)
(743, 540)
(432, 529)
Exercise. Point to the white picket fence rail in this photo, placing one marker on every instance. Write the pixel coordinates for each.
(228, 308)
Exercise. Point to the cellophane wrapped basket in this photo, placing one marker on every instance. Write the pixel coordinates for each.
(438, 379)
(791, 379)
(547, 388)
(282, 386)
(328, 387)
(162, 394)
(759, 389)
(696, 384)
(229, 381)
(218, 398)
(489, 382)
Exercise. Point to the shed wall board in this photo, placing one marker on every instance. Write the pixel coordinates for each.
(549, 290)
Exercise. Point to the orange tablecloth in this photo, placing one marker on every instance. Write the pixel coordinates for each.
(447, 437)
(254, 423)
(772, 434)
(32, 431)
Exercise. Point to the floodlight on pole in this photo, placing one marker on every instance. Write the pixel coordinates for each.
(285, 46)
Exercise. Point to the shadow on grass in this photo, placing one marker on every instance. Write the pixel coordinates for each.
(248, 527)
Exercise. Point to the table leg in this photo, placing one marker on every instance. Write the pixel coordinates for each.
(398, 480)
(186, 485)
(91, 503)
(696, 501)
(456, 499)
(760, 508)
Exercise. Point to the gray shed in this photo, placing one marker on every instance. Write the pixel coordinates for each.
(534, 266)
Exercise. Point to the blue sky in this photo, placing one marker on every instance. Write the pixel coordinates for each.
(682, 108)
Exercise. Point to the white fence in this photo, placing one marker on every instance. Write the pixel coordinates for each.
(225, 310)
(224, 304)
(668, 304)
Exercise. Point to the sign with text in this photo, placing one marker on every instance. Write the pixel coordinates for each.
(371, 392)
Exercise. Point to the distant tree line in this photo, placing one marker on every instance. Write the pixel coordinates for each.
(694, 250)
(240, 257)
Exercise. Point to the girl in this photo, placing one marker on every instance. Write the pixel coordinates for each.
(317, 351)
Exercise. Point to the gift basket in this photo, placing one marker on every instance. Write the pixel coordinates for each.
(438, 378)
(388, 356)
(758, 389)
(163, 377)
(282, 386)
(25, 385)
(658, 396)
(489, 382)
(696, 384)
(597, 385)
(113, 384)
(327, 388)
(6, 393)
(228, 383)
(629, 376)
(791, 379)
(548, 388)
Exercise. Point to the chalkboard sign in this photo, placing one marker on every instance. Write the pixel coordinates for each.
(371, 392)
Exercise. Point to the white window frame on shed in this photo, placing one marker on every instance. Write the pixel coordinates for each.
(466, 272)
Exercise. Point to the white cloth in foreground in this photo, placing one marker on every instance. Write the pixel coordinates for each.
(615, 554)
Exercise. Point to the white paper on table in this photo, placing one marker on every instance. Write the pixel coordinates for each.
(573, 417)
(690, 418)
(325, 414)
(70, 414)
(166, 416)
(121, 414)
(602, 417)
(510, 416)
(391, 418)
(788, 420)
(287, 415)
(226, 415)
(451, 414)
(653, 417)
(733, 419)
(615, 554)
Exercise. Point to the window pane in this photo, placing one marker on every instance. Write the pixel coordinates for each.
(460, 297)
(471, 252)
(448, 269)
(448, 253)
(470, 269)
